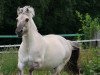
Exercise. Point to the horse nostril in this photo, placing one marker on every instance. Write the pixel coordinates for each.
(18, 31)
(21, 31)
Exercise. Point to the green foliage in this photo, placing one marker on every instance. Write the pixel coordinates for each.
(89, 25)
(90, 61)
(52, 16)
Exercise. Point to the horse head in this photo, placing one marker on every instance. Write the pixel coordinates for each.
(24, 15)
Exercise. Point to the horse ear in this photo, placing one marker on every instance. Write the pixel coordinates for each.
(31, 10)
(28, 10)
(18, 10)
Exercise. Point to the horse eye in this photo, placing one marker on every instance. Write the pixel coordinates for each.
(26, 19)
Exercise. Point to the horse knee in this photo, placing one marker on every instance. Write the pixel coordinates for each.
(20, 66)
(37, 63)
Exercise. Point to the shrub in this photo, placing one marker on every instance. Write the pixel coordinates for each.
(89, 25)
(90, 61)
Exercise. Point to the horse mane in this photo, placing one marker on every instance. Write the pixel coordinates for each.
(28, 10)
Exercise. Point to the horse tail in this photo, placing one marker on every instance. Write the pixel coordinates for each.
(72, 65)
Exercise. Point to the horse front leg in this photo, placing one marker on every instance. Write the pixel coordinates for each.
(20, 68)
(20, 72)
(33, 66)
(30, 71)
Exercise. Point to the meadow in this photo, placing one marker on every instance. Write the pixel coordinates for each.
(89, 62)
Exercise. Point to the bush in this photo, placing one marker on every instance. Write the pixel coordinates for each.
(90, 26)
(90, 61)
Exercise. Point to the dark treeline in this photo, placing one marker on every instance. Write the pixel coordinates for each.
(52, 16)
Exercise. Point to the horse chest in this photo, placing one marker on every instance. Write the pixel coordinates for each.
(32, 53)
(29, 57)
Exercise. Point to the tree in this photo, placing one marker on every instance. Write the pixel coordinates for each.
(52, 16)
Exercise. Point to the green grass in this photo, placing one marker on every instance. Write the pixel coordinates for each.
(8, 62)
(89, 61)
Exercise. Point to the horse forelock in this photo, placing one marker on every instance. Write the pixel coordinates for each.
(19, 10)
(28, 10)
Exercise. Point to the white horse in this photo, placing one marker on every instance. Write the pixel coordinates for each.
(37, 51)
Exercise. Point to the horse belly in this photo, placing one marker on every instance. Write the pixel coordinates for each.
(54, 56)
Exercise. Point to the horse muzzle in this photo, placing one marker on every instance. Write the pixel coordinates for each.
(19, 31)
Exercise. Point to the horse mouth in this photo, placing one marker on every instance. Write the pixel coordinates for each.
(19, 33)
(19, 30)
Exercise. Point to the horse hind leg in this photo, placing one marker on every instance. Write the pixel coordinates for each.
(58, 69)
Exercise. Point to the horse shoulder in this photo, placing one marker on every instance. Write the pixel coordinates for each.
(22, 53)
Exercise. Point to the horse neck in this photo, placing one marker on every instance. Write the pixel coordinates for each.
(33, 33)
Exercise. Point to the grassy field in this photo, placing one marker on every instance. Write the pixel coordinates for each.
(89, 62)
